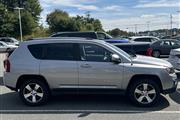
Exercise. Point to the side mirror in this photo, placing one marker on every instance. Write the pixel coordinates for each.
(115, 58)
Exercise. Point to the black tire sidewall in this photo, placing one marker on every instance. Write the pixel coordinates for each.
(44, 88)
(137, 83)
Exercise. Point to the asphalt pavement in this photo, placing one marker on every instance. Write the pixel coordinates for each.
(87, 107)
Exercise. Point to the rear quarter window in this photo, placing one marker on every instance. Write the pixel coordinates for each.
(36, 51)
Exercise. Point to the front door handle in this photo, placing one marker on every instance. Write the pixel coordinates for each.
(85, 66)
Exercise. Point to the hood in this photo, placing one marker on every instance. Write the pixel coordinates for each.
(151, 61)
(175, 51)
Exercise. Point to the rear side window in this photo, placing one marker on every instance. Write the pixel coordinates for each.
(53, 51)
(63, 51)
(36, 50)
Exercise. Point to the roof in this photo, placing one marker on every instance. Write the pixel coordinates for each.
(59, 40)
(143, 37)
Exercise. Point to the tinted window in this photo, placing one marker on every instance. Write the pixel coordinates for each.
(143, 40)
(63, 51)
(52, 51)
(6, 40)
(91, 52)
(36, 50)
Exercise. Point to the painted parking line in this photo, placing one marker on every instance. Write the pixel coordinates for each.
(88, 111)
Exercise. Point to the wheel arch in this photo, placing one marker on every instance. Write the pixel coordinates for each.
(154, 78)
(24, 78)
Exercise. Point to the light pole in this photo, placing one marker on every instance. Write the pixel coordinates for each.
(148, 27)
(20, 26)
(178, 18)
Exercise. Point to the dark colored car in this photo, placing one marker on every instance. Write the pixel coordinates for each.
(164, 46)
(176, 37)
(91, 35)
(141, 48)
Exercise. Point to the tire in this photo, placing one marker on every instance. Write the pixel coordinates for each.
(34, 92)
(144, 92)
(156, 54)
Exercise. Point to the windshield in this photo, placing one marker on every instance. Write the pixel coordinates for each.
(14, 40)
(121, 51)
(108, 36)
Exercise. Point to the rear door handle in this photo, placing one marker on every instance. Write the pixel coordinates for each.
(85, 66)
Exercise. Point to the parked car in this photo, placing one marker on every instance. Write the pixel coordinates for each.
(144, 38)
(176, 37)
(5, 47)
(174, 58)
(91, 35)
(140, 48)
(89, 66)
(9, 40)
(164, 46)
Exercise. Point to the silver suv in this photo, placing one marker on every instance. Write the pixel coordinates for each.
(39, 67)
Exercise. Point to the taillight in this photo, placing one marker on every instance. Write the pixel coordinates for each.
(149, 52)
(7, 65)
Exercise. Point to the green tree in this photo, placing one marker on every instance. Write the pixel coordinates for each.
(117, 32)
(9, 22)
(60, 20)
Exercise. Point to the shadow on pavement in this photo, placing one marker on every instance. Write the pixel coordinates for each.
(84, 104)
(1, 81)
(176, 96)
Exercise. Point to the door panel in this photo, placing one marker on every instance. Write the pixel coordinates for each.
(59, 65)
(165, 47)
(61, 74)
(96, 69)
(100, 74)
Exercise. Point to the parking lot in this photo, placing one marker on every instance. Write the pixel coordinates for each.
(107, 107)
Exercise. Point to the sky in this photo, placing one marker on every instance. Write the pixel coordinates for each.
(123, 14)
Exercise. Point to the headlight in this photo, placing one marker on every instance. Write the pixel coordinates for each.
(170, 70)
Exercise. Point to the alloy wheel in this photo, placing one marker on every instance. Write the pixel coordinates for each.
(145, 93)
(33, 93)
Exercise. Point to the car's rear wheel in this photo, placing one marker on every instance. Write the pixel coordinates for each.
(156, 54)
(34, 92)
(144, 92)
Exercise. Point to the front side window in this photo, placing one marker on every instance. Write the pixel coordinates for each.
(165, 43)
(92, 52)
(101, 36)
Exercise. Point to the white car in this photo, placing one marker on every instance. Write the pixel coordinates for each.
(5, 47)
(9, 41)
(174, 58)
(144, 38)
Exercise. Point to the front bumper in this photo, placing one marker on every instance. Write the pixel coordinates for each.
(171, 90)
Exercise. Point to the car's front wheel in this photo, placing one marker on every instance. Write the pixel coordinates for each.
(34, 92)
(144, 92)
